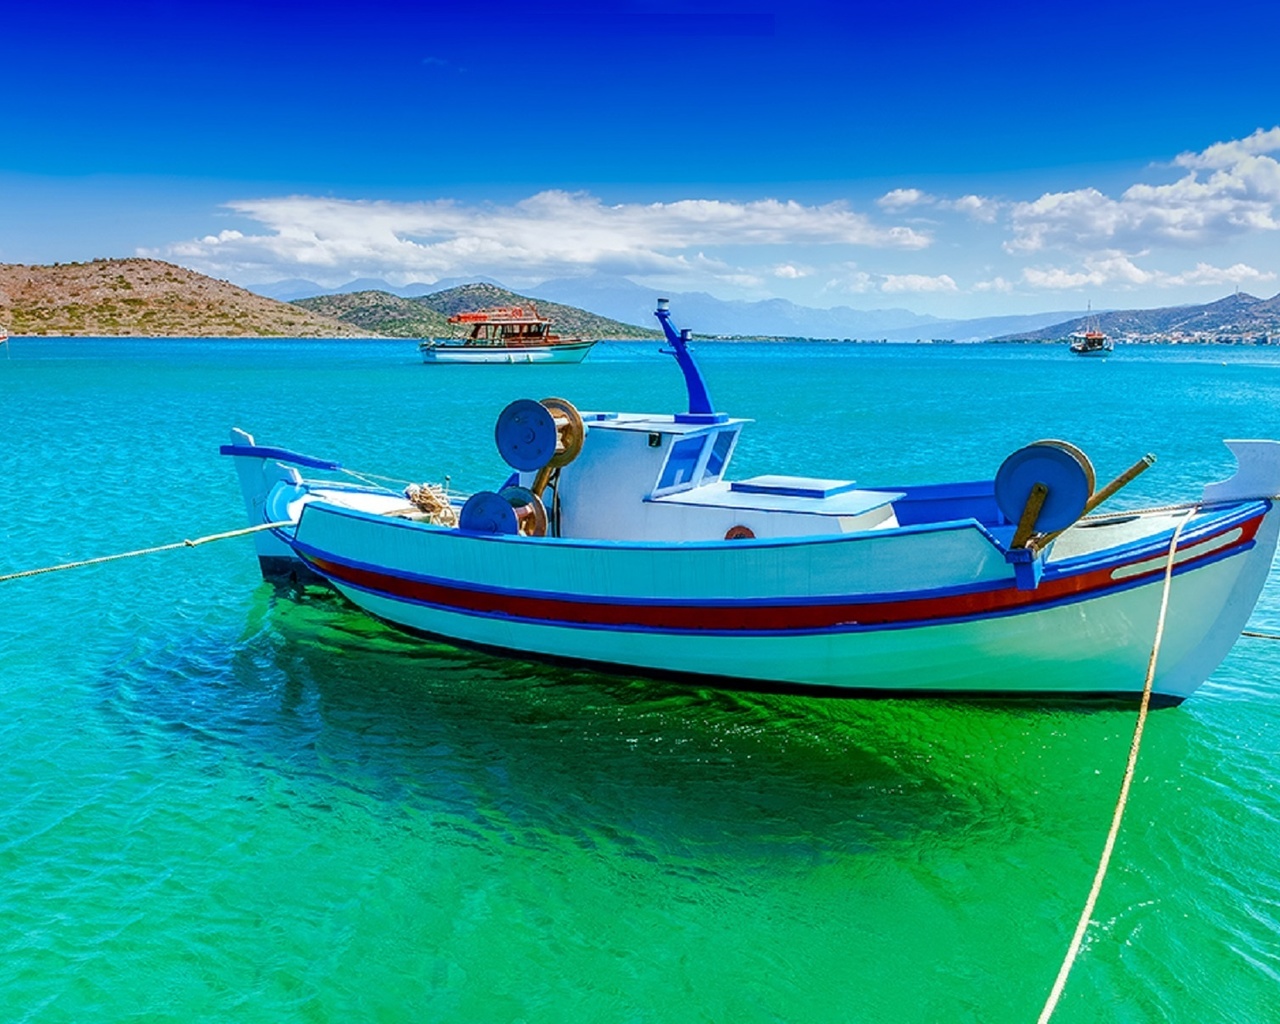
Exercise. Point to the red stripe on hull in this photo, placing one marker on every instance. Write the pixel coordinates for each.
(754, 617)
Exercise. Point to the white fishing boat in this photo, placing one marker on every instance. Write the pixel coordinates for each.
(1091, 343)
(510, 334)
(622, 540)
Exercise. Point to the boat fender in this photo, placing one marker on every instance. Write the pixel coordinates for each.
(739, 533)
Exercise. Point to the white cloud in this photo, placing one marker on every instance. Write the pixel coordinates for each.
(1240, 193)
(1203, 274)
(545, 235)
(791, 272)
(917, 283)
(996, 284)
(1228, 154)
(900, 198)
(1119, 271)
(980, 208)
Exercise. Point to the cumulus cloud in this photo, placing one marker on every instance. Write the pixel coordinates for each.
(1115, 270)
(1237, 274)
(1231, 188)
(791, 272)
(547, 234)
(978, 207)
(996, 284)
(900, 198)
(917, 283)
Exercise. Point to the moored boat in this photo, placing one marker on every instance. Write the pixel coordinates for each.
(1091, 341)
(621, 539)
(509, 334)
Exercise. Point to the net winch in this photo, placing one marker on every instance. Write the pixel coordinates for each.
(532, 437)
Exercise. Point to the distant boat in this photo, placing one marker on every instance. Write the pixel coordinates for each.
(507, 334)
(1091, 341)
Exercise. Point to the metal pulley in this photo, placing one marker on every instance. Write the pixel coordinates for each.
(512, 511)
(542, 436)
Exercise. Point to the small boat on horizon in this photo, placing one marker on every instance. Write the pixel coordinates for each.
(1091, 341)
(621, 540)
(505, 334)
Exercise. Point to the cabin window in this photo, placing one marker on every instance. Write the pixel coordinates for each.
(682, 463)
(719, 454)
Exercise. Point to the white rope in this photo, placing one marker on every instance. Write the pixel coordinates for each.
(149, 551)
(1083, 924)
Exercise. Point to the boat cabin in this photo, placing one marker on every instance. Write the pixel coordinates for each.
(507, 326)
(643, 477)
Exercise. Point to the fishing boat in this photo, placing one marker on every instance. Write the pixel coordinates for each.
(621, 539)
(507, 334)
(1090, 341)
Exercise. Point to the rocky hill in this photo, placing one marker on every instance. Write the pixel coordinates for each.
(148, 298)
(383, 313)
(1238, 317)
(427, 315)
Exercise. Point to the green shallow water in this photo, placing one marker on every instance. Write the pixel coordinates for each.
(220, 800)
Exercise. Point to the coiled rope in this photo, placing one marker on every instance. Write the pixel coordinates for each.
(150, 551)
(1083, 924)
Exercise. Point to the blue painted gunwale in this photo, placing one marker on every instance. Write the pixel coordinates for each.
(1237, 515)
(1131, 583)
(293, 458)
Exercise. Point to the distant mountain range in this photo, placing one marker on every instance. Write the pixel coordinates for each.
(426, 316)
(622, 300)
(1237, 317)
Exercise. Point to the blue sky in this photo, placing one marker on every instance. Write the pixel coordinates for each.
(955, 159)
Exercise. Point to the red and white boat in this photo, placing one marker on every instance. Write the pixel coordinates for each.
(622, 540)
(508, 334)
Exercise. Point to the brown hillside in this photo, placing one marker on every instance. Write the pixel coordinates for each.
(150, 298)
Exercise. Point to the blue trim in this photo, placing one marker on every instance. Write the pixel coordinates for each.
(259, 451)
(1240, 512)
(1120, 587)
(793, 486)
(684, 545)
(883, 597)
(1158, 543)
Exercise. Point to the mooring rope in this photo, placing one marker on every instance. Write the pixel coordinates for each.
(149, 551)
(1083, 924)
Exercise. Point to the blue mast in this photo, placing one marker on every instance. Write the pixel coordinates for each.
(700, 408)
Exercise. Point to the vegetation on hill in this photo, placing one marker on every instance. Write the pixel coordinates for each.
(1237, 317)
(427, 316)
(382, 313)
(149, 298)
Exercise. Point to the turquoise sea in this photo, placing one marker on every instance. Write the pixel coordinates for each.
(222, 801)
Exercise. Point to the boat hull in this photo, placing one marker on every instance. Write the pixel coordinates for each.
(574, 352)
(820, 613)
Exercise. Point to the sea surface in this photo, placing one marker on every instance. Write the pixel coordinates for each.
(226, 801)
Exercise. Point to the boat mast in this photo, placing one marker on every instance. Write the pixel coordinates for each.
(700, 408)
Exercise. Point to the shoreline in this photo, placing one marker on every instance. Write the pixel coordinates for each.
(714, 340)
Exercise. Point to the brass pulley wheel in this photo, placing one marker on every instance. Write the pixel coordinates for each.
(570, 430)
